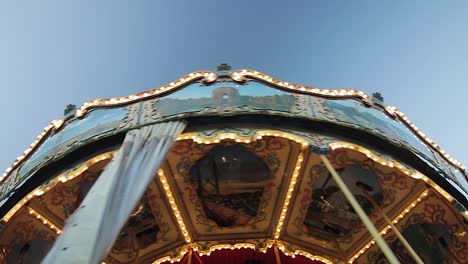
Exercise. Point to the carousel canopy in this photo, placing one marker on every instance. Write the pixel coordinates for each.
(246, 180)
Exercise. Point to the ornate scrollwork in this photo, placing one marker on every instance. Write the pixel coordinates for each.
(131, 118)
(150, 113)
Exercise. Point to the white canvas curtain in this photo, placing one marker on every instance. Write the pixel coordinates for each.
(90, 232)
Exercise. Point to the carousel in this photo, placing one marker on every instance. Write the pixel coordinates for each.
(234, 167)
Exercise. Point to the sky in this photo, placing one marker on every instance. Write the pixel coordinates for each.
(54, 53)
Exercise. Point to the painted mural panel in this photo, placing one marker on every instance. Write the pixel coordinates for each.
(329, 215)
(44, 153)
(353, 112)
(435, 230)
(230, 182)
(223, 97)
(64, 198)
(144, 232)
(231, 188)
(97, 124)
(26, 239)
(322, 214)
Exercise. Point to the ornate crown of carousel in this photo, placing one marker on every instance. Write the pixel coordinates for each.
(234, 167)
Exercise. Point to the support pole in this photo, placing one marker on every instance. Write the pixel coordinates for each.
(360, 212)
(277, 255)
(395, 230)
(190, 253)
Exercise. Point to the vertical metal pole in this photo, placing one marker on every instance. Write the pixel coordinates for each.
(395, 230)
(189, 261)
(360, 212)
(277, 255)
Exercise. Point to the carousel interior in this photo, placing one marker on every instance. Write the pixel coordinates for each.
(264, 198)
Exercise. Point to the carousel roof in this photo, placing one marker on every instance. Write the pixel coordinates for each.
(246, 175)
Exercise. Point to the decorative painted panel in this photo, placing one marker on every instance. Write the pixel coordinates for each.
(233, 195)
(26, 239)
(64, 198)
(252, 97)
(434, 230)
(149, 232)
(322, 216)
(42, 155)
(224, 98)
(97, 124)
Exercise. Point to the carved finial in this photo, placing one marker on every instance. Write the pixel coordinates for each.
(69, 111)
(223, 69)
(377, 98)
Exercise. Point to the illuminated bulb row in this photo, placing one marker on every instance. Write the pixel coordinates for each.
(233, 136)
(17, 207)
(70, 176)
(37, 192)
(274, 133)
(168, 259)
(55, 124)
(391, 110)
(441, 191)
(392, 164)
(217, 139)
(107, 102)
(44, 221)
(376, 158)
(61, 178)
(172, 259)
(237, 246)
(387, 228)
(241, 74)
(225, 246)
(174, 207)
(208, 252)
(292, 183)
(394, 111)
(304, 254)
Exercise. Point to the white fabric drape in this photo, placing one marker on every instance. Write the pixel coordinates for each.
(90, 232)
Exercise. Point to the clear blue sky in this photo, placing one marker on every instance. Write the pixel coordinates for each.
(53, 53)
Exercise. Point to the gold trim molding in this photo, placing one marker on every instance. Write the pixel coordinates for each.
(270, 244)
(61, 178)
(205, 76)
(190, 245)
(54, 125)
(238, 76)
(387, 228)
